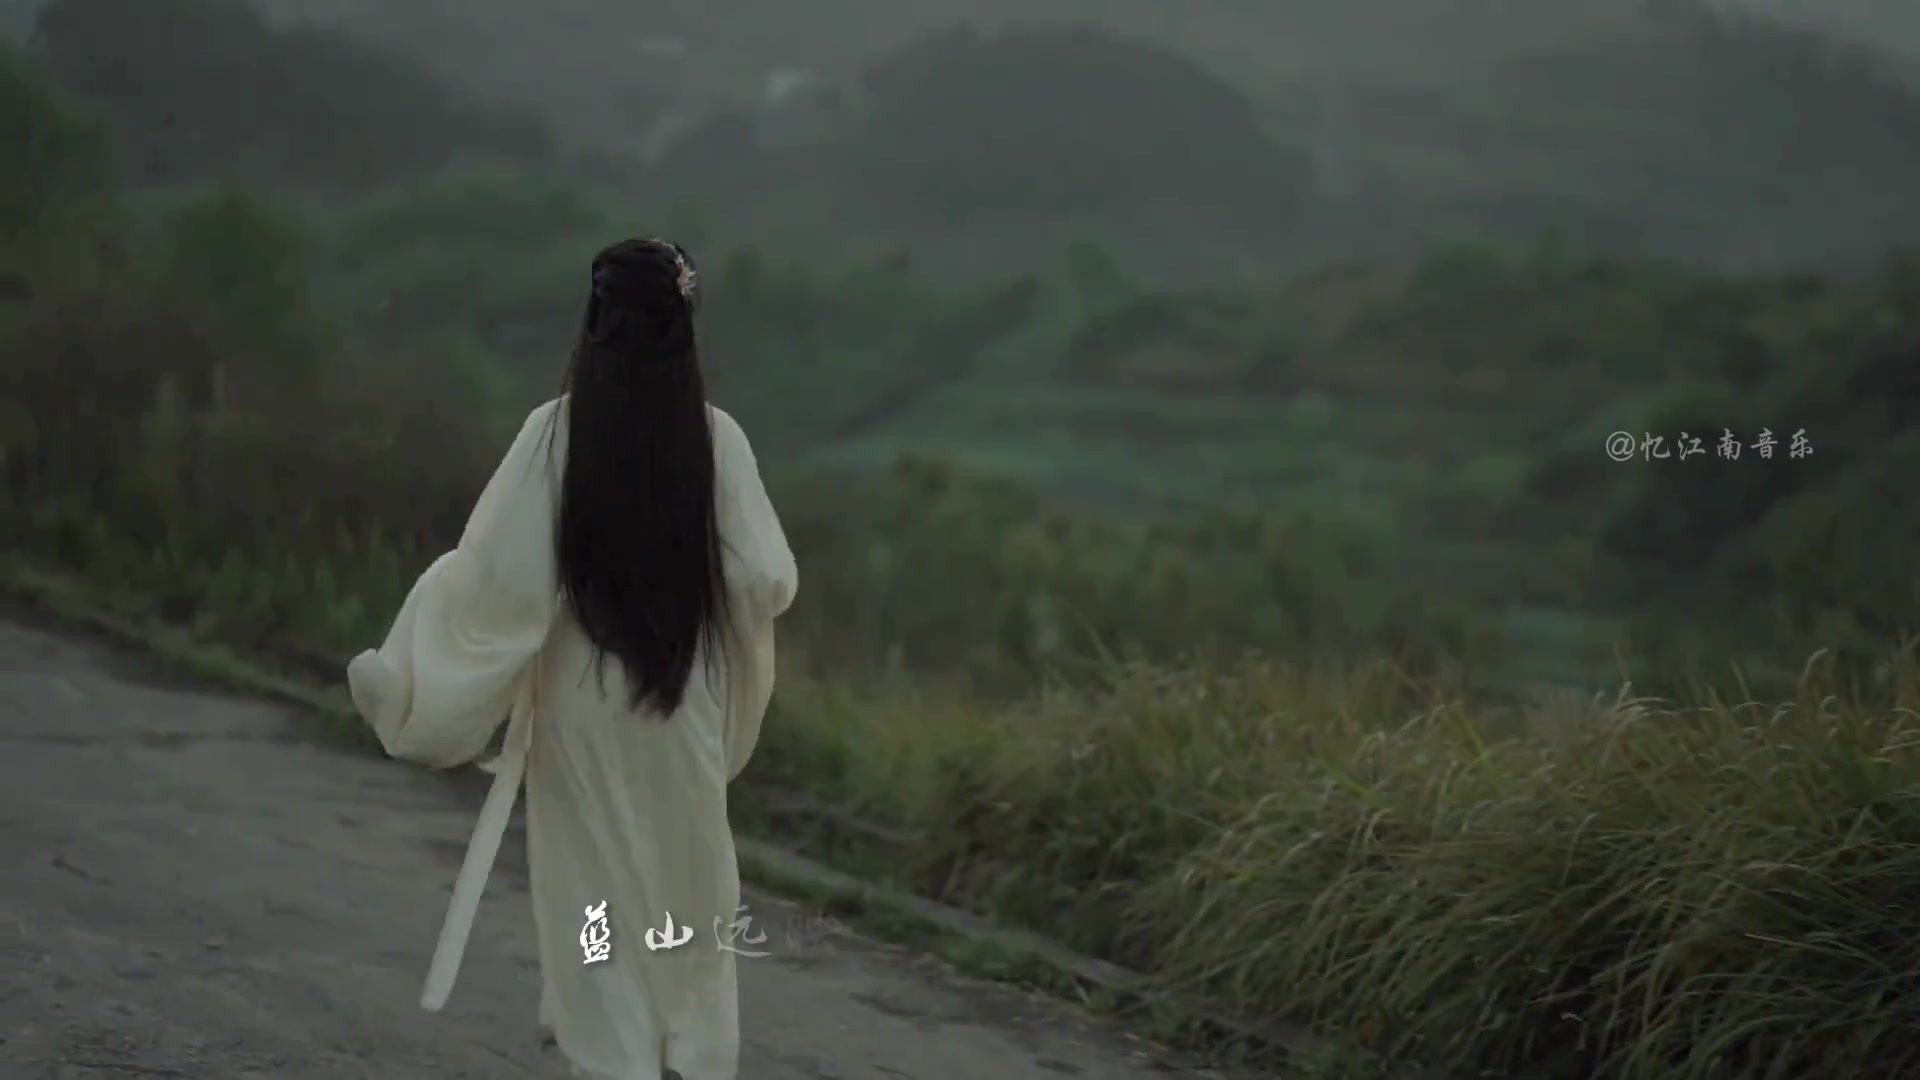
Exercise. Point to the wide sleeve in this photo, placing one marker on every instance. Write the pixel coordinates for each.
(761, 575)
(761, 582)
(467, 636)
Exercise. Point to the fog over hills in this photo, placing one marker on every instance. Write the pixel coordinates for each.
(1634, 125)
(1423, 119)
(555, 47)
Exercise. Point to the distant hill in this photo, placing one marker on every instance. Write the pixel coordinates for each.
(1681, 133)
(208, 89)
(551, 47)
(1623, 124)
(1641, 127)
(1021, 132)
(1738, 143)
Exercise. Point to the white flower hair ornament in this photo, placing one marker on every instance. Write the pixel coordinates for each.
(684, 273)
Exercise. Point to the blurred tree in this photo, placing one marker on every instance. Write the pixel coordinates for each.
(206, 88)
(1033, 122)
(57, 161)
(243, 265)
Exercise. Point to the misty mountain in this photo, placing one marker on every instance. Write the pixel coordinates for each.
(1256, 135)
(1638, 126)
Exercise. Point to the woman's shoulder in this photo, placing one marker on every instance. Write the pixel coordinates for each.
(732, 452)
(727, 432)
(542, 416)
(545, 430)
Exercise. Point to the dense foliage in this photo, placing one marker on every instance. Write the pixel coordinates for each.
(318, 106)
(968, 125)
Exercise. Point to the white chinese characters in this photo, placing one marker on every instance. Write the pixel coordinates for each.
(738, 936)
(596, 937)
(668, 936)
(740, 930)
(1624, 446)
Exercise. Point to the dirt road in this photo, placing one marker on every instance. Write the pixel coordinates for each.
(190, 888)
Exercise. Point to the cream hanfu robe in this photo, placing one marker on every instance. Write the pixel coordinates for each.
(626, 812)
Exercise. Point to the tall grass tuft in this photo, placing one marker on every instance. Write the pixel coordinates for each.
(1699, 889)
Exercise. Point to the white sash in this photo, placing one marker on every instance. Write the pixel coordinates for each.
(508, 769)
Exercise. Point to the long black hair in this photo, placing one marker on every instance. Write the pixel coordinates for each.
(637, 541)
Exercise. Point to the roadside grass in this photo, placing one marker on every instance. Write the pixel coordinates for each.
(1622, 888)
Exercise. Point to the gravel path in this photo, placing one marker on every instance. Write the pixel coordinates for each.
(191, 888)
